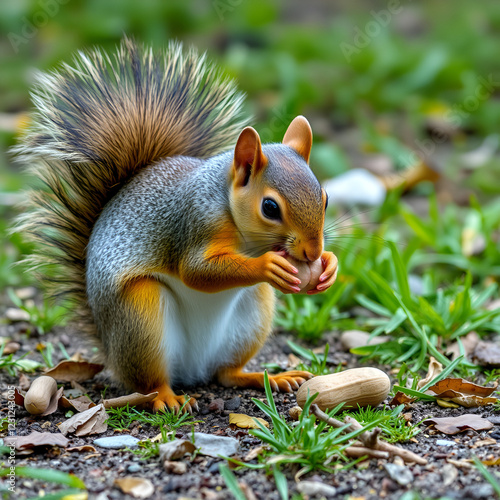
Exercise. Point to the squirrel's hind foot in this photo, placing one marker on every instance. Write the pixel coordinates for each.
(167, 399)
(281, 382)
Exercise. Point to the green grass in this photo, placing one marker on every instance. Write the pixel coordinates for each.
(308, 445)
(43, 318)
(315, 364)
(76, 485)
(395, 428)
(12, 365)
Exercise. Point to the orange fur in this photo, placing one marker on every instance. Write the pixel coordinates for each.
(145, 354)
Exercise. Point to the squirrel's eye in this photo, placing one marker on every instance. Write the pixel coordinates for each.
(270, 209)
(326, 202)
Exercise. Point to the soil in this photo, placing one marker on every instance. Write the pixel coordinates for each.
(446, 474)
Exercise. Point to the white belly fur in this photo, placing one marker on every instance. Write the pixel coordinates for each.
(204, 331)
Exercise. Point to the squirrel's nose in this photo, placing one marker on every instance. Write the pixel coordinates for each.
(313, 250)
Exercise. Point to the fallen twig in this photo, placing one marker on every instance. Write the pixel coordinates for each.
(368, 439)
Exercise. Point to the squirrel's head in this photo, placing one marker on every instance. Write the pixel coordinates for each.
(276, 201)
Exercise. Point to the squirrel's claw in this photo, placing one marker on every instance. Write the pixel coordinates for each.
(288, 381)
(168, 399)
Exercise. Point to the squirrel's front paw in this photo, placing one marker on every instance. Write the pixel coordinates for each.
(167, 399)
(279, 273)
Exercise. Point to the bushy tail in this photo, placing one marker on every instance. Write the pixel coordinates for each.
(99, 122)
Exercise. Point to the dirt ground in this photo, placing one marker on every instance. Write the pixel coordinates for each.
(446, 474)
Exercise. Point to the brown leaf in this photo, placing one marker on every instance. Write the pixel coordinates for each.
(473, 401)
(400, 398)
(435, 368)
(91, 421)
(487, 354)
(79, 404)
(24, 382)
(245, 421)
(18, 397)
(85, 447)
(254, 453)
(454, 425)
(136, 486)
(134, 399)
(484, 442)
(53, 404)
(492, 461)
(37, 439)
(463, 392)
(78, 371)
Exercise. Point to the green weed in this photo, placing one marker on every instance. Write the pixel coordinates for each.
(308, 444)
(42, 318)
(394, 427)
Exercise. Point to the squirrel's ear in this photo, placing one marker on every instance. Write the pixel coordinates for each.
(248, 156)
(299, 137)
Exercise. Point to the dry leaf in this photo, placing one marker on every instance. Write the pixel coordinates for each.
(176, 449)
(435, 368)
(245, 421)
(131, 399)
(400, 398)
(254, 453)
(484, 442)
(136, 486)
(454, 425)
(53, 404)
(463, 392)
(91, 421)
(24, 382)
(37, 439)
(491, 462)
(78, 371)
(18, 397)
(78, 404)
(85, 447)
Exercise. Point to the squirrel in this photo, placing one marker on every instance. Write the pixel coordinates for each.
(167, 220)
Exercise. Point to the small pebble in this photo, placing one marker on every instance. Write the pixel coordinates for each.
(28, 292)
(134, 468)
(117, 442)
(214, 446)
(445, 442)
(13, 314)
(402, 475)
(217, 405)
(232, 404)
(316, 489)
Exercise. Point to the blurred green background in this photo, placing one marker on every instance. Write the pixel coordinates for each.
(383, 83)
(372, 76)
